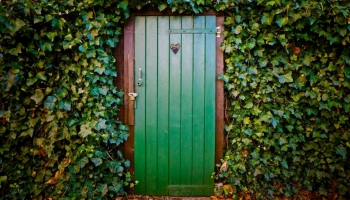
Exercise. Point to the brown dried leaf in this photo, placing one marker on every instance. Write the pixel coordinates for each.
(224, 166)
(51, 181)
(296, 50)
(41, 152)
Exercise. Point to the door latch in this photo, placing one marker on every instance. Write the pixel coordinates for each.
(132, 96)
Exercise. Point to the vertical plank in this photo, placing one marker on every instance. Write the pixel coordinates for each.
(150, 85)
(198, 103)
(220, 100)
(186, 105)
(174, 108)
(140, 137)
(163, 106)
(128, 81)
(209, 138)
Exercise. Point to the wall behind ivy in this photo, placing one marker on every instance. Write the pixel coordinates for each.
(287, 88)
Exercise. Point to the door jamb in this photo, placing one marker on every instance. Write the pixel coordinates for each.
(124, 55)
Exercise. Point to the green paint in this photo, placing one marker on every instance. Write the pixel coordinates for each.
(175, 114)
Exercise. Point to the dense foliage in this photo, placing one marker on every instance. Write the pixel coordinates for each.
(288, 93)
(287, 84)
(58, 104)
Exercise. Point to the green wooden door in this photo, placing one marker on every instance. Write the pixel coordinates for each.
(175, 107)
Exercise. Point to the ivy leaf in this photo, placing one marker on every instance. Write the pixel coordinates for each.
(103, 90)
(347, 71)
(282, 21)
(284, 164)
(38, 96)
(238, 29)
(16, 25)
(28, 132)
(162, 6)
(103, 189)
(41, 76)
(58, 22)
(265, 117)
(85, 130)
(286, 78)
(65, 105)
(82, 162)
(259, 52)
(246, 141)
(31, 81)
(96, 161)
(246, 120)
(83, 47)
(342, 151)
(274, 122)
(101, 124)
(49, 103)
(15, 51)
(262, 62)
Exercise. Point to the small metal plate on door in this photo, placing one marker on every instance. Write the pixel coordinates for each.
(175, 47)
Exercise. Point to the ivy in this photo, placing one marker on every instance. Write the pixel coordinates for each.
(58, 139)
(287, 79)
(287, 88)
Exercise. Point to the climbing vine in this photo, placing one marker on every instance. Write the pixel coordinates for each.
(287, 86)
(287, 83)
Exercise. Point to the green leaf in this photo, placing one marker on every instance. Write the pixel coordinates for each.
(31, 81)
(82, 162)
(16, 25)
(162, 6)
(28, 132)
(282, 21)
(259, 52)
(274, 122)
(347, 71)
(58, 22)
(96, 161)
(101, 124)
(246, 120)
(286, 78)
(38, 96)
(246, 141)
(3, 179)
(39, 141)
(262, 62)
(83, 47)
(342, 151)
(85, 130)
(41, 76)
(49, 103)
(238, 29)
(65, 105)
(284, 164)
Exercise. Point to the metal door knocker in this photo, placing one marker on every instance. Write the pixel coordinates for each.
(175, 47)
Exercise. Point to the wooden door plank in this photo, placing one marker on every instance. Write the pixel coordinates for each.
(163, 106)
(198, 103)
(150, 85)
(139, 131)
(186, 105)
(174, 108)
(220, 99)
(209, 138)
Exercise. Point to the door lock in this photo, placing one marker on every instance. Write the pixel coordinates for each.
(132, 96)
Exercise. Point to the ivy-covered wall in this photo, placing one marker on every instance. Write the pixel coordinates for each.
(287, 84)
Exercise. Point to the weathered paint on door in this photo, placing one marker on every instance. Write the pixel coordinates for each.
(175, 108)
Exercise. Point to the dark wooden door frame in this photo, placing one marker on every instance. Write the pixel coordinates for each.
(124, 54)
